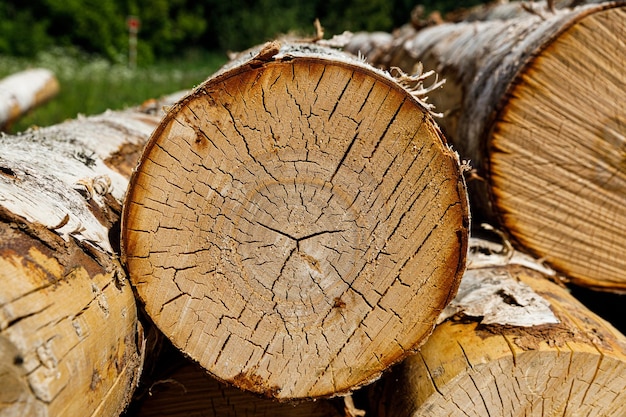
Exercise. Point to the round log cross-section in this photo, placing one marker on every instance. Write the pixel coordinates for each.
(296, 223)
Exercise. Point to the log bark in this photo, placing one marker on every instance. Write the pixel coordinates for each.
(370, 44)
(536, 104)
(288, 215)
(499, 10)
(24, 91)
(503, 354)
(70, 341)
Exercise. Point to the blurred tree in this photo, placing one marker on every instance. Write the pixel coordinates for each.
(92, 25)
(240, 24)
(14, 40)
(169, 26)
(354, 15)
(445, 6)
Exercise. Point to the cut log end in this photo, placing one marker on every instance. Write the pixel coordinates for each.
(540, 112)
(296, 226)
(565, 198)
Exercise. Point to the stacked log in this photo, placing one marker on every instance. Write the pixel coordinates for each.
(297, 223)
(70, 341)
(536, 103)
(512, 343)
(22, 91)
(502, 10)
(180, 388)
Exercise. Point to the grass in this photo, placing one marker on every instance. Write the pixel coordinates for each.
(91, 85)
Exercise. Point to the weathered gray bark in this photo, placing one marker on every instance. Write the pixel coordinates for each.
(502, 10)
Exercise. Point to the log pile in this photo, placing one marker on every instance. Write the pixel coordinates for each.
(292, 235)
(67, 312)
(71, 343)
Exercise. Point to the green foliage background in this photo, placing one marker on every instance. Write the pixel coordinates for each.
(169, 27)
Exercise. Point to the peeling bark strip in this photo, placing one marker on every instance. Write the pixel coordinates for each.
(537, 103)
(68, 317)
(576, 367)
(297, 223)
(23, 91)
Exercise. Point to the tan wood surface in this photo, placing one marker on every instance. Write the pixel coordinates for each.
(287, 217)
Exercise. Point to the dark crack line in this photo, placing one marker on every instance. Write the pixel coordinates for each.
(345, 155)
(367, 97)
(340, 96)
(298, 240)
(278, 231)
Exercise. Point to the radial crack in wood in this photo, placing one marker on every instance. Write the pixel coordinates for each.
(296, 223)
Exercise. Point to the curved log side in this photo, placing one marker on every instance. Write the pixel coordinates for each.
(287, 214)
(186, 389)
(67, 314)
(498, 10)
